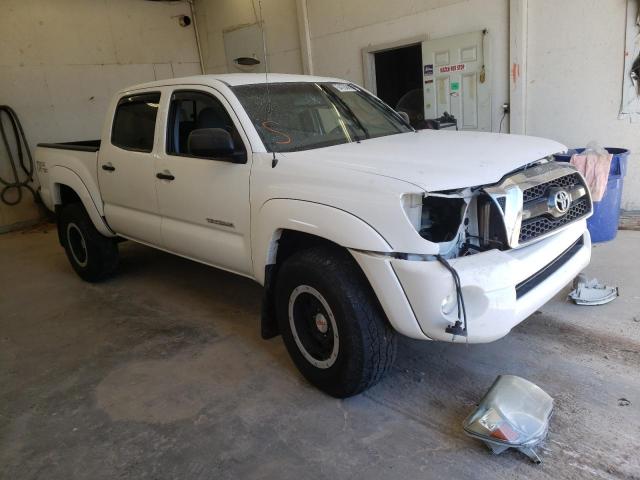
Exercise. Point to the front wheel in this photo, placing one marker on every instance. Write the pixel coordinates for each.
(92, 255)
(332, 324)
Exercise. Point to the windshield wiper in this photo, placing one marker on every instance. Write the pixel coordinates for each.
(346, 110)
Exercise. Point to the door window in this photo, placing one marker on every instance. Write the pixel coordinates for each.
(134, 122)
(191, 110)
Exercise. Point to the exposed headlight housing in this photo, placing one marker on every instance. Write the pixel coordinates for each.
(437, 217)
(412, 205)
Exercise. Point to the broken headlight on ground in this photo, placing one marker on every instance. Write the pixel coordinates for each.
(514, 413)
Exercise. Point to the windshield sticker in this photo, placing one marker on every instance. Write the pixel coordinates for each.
(344, 87)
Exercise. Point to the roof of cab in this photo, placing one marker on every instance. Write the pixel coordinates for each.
(235, 79)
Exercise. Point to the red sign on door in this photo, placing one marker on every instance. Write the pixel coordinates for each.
(459, 67)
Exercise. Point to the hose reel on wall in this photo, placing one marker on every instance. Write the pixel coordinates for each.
(24, 165)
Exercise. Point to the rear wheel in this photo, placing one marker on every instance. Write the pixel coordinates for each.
(332, 324)
(92, 255)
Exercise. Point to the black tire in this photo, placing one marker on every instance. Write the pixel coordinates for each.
(366, 343)
(92, 255)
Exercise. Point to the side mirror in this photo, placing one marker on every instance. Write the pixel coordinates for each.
(211, 142)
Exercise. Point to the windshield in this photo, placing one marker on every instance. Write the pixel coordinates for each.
(302, 116)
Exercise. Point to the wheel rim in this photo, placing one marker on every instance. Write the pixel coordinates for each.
(77, 245)
(313, 326)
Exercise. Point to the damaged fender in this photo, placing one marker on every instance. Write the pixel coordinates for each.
(313, 218)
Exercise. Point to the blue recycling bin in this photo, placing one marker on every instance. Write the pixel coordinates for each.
(603, 224)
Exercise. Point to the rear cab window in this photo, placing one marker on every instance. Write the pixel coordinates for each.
(134, 122)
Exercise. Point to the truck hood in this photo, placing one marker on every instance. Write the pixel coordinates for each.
(437, 160)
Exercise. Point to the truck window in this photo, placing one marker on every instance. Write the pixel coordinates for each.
(134, 122)
(192, 110)
(298, 116)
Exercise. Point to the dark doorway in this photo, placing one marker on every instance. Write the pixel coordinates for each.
(399, 80)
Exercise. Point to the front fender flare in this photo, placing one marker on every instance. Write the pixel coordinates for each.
(317, 219)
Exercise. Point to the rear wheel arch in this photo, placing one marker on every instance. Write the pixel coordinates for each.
(93, 256)
(66, 195)
(67, 188)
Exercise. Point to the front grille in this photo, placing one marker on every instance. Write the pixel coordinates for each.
(539, 191)
(523, 206)
(541, 275)
(538, 226)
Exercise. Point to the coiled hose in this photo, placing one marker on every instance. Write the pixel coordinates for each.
(25, 160)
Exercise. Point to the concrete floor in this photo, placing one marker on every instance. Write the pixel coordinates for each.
(160, 373)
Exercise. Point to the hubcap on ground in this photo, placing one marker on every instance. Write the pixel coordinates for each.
(77, 245)
(313, 326)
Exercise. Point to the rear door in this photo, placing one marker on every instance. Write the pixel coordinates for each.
(456, 80)
(204, 201)
(126, 168)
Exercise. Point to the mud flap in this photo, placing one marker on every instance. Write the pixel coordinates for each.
(269, 321)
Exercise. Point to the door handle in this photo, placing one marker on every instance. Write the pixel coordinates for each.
(108, 167)
(165, 176)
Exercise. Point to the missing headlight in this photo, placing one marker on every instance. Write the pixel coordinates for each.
(461, 222)
(441, 218)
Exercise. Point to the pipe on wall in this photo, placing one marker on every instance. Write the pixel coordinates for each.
(305, 37)
(195, 31)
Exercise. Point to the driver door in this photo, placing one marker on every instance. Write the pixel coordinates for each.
(204, 202)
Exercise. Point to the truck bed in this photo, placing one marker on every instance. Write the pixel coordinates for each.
(79, 146)
(75, 162)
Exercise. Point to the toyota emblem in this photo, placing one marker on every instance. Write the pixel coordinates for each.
(562, 201)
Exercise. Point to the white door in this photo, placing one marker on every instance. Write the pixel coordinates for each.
(204, 200)
(456, 80)
(126, 169)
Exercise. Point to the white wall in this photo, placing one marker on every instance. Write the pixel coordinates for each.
(61, 61)
(281, 30)
(340, 29)
(575, 66)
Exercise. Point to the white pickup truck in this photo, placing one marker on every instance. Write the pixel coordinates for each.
(356, 225)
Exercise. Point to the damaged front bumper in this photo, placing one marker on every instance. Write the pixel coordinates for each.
(500, 288)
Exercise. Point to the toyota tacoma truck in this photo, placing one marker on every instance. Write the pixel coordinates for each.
(358, 227)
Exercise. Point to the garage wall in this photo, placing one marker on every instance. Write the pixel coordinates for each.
(60, 63)
(340, 30)
(281, 30)
(575, 67)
